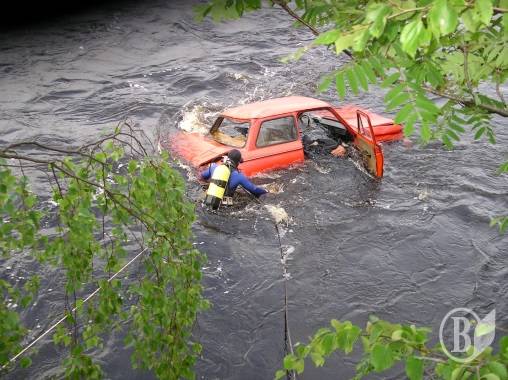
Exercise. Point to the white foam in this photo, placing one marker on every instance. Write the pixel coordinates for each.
(193, 120)
(279, 215)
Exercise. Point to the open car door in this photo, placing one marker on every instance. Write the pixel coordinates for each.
(365, 142)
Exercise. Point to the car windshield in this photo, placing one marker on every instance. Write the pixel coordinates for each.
(230, 132)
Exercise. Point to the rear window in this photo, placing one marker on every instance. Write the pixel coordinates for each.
(230, 132)
(277, 131)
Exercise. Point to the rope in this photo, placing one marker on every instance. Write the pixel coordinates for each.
(14, 358)
(287, 334)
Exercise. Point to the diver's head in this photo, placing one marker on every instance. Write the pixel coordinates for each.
(235, 157)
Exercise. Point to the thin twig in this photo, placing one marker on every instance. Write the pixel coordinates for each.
(314, 31)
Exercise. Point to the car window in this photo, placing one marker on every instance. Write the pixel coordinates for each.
(230, 132)
(277, 131)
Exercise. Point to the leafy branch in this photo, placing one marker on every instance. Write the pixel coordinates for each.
(107, 193)
(385, 344)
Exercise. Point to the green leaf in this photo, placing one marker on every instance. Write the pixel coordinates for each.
(426, 133)
(352, 81)
(280, 374)
(483, 329)
(456, 127)
(340, 85)
(390, 79)
(446, 140)
(452, 134)
(471, 20)
(442, 18)
(485, 10)
(397, 335)
(336, 325)
(290, 362)
(361, 77)
(376, 14)
(490, 376)
(25, 362)
(426, 104)
(360, 41)
(327, 343)
(404, 113)
(367, 69)
(299, 366)
(503, 168)
(396, 90)
(479, 133)
(411, 35)
(401, 98)
(499, 369)
(317, 359)
(457, 373)
(414, 368)
(409, 124)
(381, 357)
(343, 42)
(201, 11)
(327, 38)
(325, 83)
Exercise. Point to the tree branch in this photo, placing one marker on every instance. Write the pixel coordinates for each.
(468, 102)
(314, 31)
(465, 102)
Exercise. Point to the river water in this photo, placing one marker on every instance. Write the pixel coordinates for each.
(407, 248)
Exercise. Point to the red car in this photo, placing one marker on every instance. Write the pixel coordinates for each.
(269, 134)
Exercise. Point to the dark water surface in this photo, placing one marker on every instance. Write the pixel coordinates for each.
(408, 248)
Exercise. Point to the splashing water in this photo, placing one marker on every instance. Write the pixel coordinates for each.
(279, 215)
(194, 120)
(275, 187)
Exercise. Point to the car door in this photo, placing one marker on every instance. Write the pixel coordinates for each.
(365, 142)
(277, 144)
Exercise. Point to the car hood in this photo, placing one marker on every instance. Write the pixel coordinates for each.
(197, 149)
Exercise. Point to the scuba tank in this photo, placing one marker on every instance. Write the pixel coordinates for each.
(218, 185)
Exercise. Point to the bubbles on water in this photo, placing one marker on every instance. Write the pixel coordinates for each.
(274, 187)
(423, 195)
(239, 77)
(321, 169)
(191, 175)
(279, 215)
(269, 175)
(136, 85)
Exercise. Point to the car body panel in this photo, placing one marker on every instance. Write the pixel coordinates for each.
(384, 129)
(366, 129)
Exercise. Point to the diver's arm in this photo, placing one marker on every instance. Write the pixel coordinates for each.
(250, 187)
(206, 174)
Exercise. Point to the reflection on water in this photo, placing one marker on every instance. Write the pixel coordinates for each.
(407, 248)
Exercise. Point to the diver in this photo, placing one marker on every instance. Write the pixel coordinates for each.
(225, 178)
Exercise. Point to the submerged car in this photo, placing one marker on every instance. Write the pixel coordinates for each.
(269, 134)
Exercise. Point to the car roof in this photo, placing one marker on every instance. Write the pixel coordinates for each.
(273, 107)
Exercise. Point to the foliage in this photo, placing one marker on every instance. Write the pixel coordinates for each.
(384, 345)
(110, 198)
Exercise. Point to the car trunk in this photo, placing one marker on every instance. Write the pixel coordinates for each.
(197, 149)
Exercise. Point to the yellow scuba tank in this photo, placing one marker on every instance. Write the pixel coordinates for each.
(218, 185)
